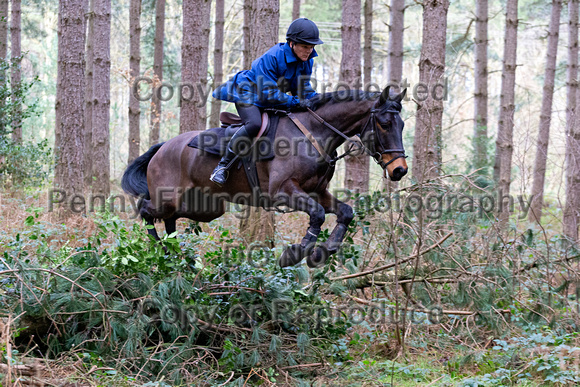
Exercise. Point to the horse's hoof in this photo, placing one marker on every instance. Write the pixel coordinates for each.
(292, 255)
(318, 257)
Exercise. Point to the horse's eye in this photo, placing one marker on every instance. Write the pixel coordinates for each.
(385, 124)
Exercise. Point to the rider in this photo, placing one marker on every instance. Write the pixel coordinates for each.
(284, 67)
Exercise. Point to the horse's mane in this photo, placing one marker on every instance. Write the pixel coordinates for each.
(350, 95)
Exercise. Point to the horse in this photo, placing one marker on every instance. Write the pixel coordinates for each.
(172, 179)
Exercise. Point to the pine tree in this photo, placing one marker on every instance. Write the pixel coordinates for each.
(264, 16)
(427, 144)
(247, 51)
(16, 76)
(134, 64)
(102, 97)
(535, 213)
(480, 94)
(89, 96)
(295, 9)
(505, 128)
(572, 206)
(3, 52)
(396, 33)
(357, 165)
(69, 107)
(155, 118)
(194, 62)
(368, 42)
(395, 58)
(218, 54)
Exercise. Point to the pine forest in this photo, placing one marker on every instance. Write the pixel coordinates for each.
(299, 193)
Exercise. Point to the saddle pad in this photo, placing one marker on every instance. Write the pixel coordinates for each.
(215, 140)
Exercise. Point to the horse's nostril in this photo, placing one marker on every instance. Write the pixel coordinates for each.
(398, 173)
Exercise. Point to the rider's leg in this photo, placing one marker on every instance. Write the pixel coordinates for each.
(251, 116)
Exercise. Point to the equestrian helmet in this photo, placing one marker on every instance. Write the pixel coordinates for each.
(303, 31)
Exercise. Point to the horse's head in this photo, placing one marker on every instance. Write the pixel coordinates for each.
(385, 137)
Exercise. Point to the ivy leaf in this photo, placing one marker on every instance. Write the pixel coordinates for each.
(29, 221)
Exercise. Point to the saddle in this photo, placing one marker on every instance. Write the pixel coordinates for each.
(227, 119)
(215, 140)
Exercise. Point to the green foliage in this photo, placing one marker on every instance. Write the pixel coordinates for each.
(133, 250)
(24, 164)
(124, 295)
(540, 355)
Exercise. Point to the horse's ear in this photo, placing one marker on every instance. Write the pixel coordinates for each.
(385, 95)
(400, 97)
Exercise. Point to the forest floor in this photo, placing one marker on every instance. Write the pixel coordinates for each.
(455, 351)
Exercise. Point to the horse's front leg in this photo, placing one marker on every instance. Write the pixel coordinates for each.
(344, 216)
(295, 198)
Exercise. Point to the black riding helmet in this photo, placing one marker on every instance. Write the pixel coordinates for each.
(303, 31)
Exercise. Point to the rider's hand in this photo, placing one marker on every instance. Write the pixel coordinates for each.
(305, 104)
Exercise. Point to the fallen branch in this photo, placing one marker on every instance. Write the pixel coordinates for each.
(18, 370)
(427, 311)
(384, 280)
(302, 365)
(538, 262)
(404, 260)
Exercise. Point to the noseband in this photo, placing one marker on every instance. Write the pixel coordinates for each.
(371, 150)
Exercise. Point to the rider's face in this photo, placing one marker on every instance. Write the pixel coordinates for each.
(302, 51)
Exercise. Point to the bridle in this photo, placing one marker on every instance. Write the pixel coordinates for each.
(370, 150)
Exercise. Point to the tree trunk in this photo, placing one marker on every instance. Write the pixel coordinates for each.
(3, 53)
(134, 65)
(396, 32)
(357, 165)
(265, 19)
(395, 59)
(264, 15)
(102, 97)
(368, 56)
(480, 94)
(368, 43)
(572, 206)
(218, 54)
(157, 71)
(194, 63)
(505, 127)
(427, 142)
(295, 9)
(15, 34)
(3, 28)
(545, 115)
(89, 97)
(69, 107)
(247, 55)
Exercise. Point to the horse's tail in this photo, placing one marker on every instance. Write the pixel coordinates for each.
(134, 180)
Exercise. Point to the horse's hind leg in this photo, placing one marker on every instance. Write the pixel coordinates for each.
(147, 216)
(162, 205)
(170, 225)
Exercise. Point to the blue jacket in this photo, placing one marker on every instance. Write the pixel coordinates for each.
(272, 75)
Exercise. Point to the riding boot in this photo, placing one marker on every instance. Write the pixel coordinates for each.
(220, 173)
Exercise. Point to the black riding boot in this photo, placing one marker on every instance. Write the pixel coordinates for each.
(220, 173)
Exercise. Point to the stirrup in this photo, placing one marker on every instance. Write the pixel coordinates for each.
(218, 170)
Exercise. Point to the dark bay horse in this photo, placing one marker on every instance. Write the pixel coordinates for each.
(172, 179)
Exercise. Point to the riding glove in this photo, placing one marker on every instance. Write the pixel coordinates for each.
(305, 104)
